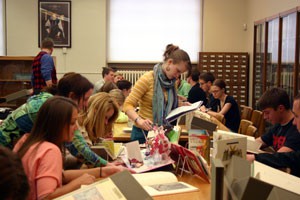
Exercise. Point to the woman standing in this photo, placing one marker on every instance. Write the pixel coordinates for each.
(155, 92)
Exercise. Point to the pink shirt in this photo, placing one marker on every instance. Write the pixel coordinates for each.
(43, 166)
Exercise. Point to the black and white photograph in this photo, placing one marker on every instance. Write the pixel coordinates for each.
(55, 22)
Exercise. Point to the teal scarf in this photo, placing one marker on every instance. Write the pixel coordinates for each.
(160, 107)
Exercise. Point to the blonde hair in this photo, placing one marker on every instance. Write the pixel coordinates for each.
(118, 96)
(94, 119)
(118, 74)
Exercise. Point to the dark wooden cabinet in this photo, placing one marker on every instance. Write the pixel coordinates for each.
(276, 54)
(232, 67)
(15, 75)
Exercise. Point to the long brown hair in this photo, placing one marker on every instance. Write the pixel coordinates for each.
(75, 83)
(93, 120)
(53, 117)
(13, 182)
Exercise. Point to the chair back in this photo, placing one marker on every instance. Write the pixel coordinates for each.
(256, 118)
(258, 121)
(244, 126)
(246, 112)
(220, 117)
(251, 131)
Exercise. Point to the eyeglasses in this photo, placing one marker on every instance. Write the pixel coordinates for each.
(215, 91)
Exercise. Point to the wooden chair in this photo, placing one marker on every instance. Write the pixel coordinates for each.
(251, 131)
(258, 121)
(244, 126)
(246, 112)
(220, 117)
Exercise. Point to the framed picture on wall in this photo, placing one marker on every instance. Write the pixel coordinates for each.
(55, 22)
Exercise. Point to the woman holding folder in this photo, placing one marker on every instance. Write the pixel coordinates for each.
(155, 93)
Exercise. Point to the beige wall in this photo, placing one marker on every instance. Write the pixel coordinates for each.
(223, 30)
(87, 55)
(223, 25)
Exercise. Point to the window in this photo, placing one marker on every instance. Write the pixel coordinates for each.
(138, 31)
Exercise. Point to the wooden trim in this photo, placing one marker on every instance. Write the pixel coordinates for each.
(264, 70)
(285, 13)
(272, 17)
(17, 57)
(135, 66)
(259, 22)
(253, 68)
(279, 50)
(296, 66)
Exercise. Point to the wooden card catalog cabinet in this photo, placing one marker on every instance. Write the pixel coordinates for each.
(232, 67)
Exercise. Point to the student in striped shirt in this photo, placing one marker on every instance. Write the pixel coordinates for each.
(155, 93)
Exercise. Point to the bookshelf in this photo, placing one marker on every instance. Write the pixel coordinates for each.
(276, 54)
(15, 75)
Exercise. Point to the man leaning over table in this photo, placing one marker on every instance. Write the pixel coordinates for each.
(283, 135)
(284, 159)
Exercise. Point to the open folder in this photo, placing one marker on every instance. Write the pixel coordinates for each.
(182, 110)
(119, 186)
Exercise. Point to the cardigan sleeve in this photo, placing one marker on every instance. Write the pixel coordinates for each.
(79, 148)
(138, 91)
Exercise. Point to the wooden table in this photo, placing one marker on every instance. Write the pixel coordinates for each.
(121, 136)
(204, 188)
(203, 193)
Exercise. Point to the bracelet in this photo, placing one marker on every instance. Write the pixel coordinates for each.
(100, 172)
(137, 119)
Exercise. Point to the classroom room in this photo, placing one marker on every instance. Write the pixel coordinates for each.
(249, 46)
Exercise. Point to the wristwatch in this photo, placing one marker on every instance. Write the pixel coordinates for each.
(137, 119)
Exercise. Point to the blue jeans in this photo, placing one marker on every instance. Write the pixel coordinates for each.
(137, 134)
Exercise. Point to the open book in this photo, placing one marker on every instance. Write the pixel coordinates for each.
(252, 145)
(199, 141)
(136, 159)
(227, 144)
(244, 180)
(162, 183)
(177, 112)
(108, 149)
(186, 160)
(276, 177)
(119, 186)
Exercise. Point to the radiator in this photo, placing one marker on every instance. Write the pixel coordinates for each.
(134, 75)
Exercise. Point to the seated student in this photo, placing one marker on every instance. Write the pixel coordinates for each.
(283, 136)
(117, 77)
(226, 105)
(107, 76)
(119, 97)
(108, 86)
(195, 93)
(283, 159)
(206, 80)
(183, 87)
(97, 122)
(55, 124)
(125, 86)
(20, 121)
(13, 182)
